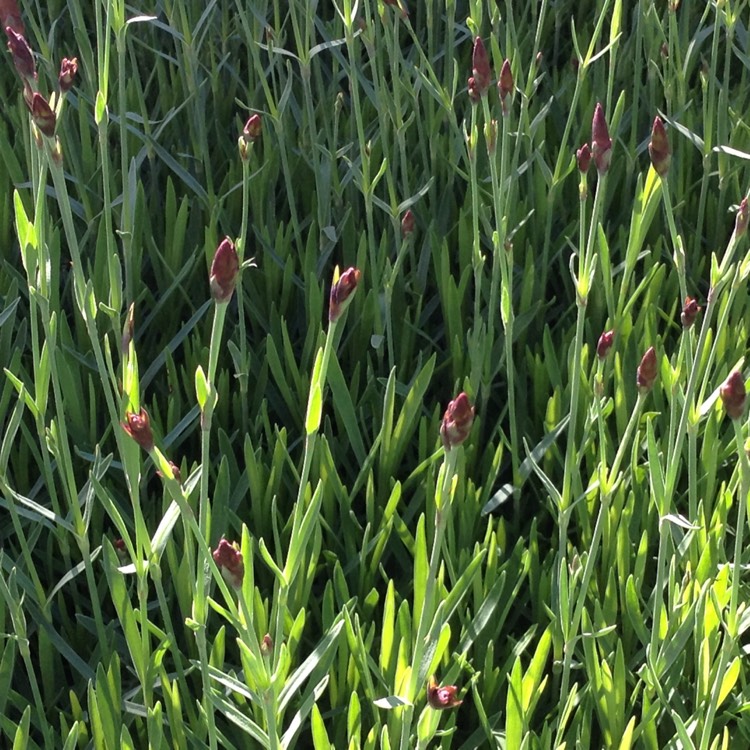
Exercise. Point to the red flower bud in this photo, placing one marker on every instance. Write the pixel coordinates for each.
(732, 392)
(342, 290)
(441, 697)
(68, 70)
(224, 271)
(457, 422)
(658, 148)
(407, 223)
(480, 67)
(266, 645)
(605, 344)
(601, 143)
(505, 85)
(689, 312)
(583, 156)
(43, 115)
(228, 558)
(253, 128)
(23, 57)
(647, 371)
(138, 426)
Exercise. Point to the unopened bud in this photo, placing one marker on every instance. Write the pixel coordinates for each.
(441, 697)
(407, 223)
(647, 371)
(480, 67)
(689, 312)
(658, 148)
(224, 271)
(228, 558)
(457, 422)
(601, 143)
(583, 157)
(505, 86)
(253, 128)
(732, 392)
(342, 291)
(605, 344)
(43, 115)
(740, 223)
(23, 57)
(138, 426)
(68, 70)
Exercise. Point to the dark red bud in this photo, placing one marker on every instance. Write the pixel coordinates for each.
(457, 421)
(68, 70)
(480, 67)
(658, 148)
(342, 290)
(266, 645)
(689, 312)
(407, 223)
(138, 426)
(224, 271)
(23, 57)
(605, 344)
(441, 697)
(43, 115)
(228, 558)
(10, 16)
(647, 371)
(601, 143)
(583, 156)
(505, 85)
(253, 128)
(732, 392)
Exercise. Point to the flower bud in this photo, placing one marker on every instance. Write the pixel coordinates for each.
(10, 16)
(138, 426)
(480, 67)
(407, 223)
(342, 291)
(228, 558)
(23, 57)
(732, 392)
(457, 422)
(253, 128)
(68, 70)
(689, 312)
(601, 143)
(43, 115)
(740, 222)
(583, 157)
(224, 271)
(647, 371)
(658, 148)
(441, 697)
(605, 344)
(128, 330)
(505, 86)
(266, 645)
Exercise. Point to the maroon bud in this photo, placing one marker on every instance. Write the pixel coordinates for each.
(457, 422)
(119, 544)
(601, 143)
(658, 148)
(407, 223)
(689, 312)
(583, 156)
(68, 70)
(647, 371)
(23, 57)
(342, 291)
(732, 392)
(253, 128)
(266, 645)
(505, 85)
(740, 223)
(43, 115)
(480, 67)
(224, 271)
(473, 91)
(605, 344)
(441, 697)
(228, 558)
(138, 426)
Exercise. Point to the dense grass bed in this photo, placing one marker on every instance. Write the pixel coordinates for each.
(374, 375)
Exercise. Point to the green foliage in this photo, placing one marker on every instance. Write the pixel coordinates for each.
(299, 554)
